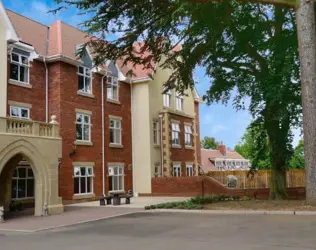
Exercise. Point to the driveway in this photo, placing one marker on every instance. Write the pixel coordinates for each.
(177, 232)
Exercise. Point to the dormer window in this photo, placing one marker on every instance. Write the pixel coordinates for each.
(112, 88)
(84, 80)
(19, 67)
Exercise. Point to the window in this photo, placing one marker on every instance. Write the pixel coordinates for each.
(22, 183)
(167, 99)
(189, 170)
(83, 127)
(19, 68)
(188, 135)
(157, 169)
(116, 179)
(175, 134)
(112, 88)
(179, 102)
(115, 131)
(177, 170)
(84, 79)
(156, 133)
(83, 180)
(19, 112)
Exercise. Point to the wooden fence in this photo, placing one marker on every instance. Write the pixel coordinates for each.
(261, 178)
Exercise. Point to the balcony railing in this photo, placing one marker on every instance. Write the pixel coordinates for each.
(29, 128)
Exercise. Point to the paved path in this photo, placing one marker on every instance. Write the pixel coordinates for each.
(176, 231)
(72, 215)
(136, 202)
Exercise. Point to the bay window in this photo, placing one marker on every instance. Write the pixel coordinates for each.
(175, 134)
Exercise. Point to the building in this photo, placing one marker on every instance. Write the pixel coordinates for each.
(222, 159)
(95, 129)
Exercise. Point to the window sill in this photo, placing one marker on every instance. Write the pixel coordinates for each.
(156, 146)
(189, 147)
(20, 84)
(112, 145)
(176, 146)
(83, 143)
(113, 101)
(83, 196)
(85, 94)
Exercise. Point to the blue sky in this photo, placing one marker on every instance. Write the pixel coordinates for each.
(217, 120)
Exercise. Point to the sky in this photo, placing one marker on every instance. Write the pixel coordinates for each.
(216, 120)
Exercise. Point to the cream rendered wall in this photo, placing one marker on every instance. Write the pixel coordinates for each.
(3, 68)
(141, 138)
(156, 106)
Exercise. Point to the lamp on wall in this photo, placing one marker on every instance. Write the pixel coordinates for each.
(74, 147)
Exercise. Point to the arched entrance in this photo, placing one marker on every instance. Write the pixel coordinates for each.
(41, 172)
(17, 185)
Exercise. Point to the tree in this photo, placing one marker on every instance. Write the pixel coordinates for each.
(248, 47)
(254, 147)
(297, 160)
(209, 143)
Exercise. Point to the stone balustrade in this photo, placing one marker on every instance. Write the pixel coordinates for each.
(29, 128)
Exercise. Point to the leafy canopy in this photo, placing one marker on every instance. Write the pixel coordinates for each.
(209, 143)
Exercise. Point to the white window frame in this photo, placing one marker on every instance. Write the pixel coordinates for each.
(175, 127)
(179, 101)
(83, 124)
(188, 135)
(87, 74)
(112, 82)
(23, 178)
(189, 169)
(85, 176)
(156, 134)
(177, 170)
(157, 170)
(115, 129)
(20, 112)
(120, 174)
(21, 64)
(167, 99)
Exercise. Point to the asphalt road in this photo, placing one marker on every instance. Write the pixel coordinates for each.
(172, 231)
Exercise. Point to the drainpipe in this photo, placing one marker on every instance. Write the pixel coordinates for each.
(161, 146)
(46, 89)
(103, 157)
(133, 158)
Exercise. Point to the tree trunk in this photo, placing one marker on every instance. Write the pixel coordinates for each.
(278, 181)
(278, 170)
(307, 54)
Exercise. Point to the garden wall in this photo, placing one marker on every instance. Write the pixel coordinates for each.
(202, 185)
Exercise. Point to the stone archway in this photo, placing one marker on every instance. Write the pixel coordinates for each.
(45, 173)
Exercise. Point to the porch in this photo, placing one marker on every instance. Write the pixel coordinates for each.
(38, 146)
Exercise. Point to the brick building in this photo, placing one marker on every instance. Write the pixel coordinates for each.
(115, 131)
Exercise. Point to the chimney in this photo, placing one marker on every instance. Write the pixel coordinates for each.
(222, 149)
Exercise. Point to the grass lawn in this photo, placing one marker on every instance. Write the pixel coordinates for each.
(289, 205)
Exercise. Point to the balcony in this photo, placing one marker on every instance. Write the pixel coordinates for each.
(29, 128)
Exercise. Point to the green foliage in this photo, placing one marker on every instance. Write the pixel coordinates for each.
(209, 143)
(298, 160)
(193, 203)
(254, 146)
(248, 50)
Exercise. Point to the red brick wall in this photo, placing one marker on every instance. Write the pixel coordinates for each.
(64, 98)
(124, 154)
(198, 138)
(176, 186)
(35, 95)
(193, 186)
(182, 154)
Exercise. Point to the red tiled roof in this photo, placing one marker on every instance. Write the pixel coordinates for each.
(207, 154)
(29, 31)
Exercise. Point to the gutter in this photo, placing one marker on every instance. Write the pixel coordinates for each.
(103, 146)
(161, 146)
